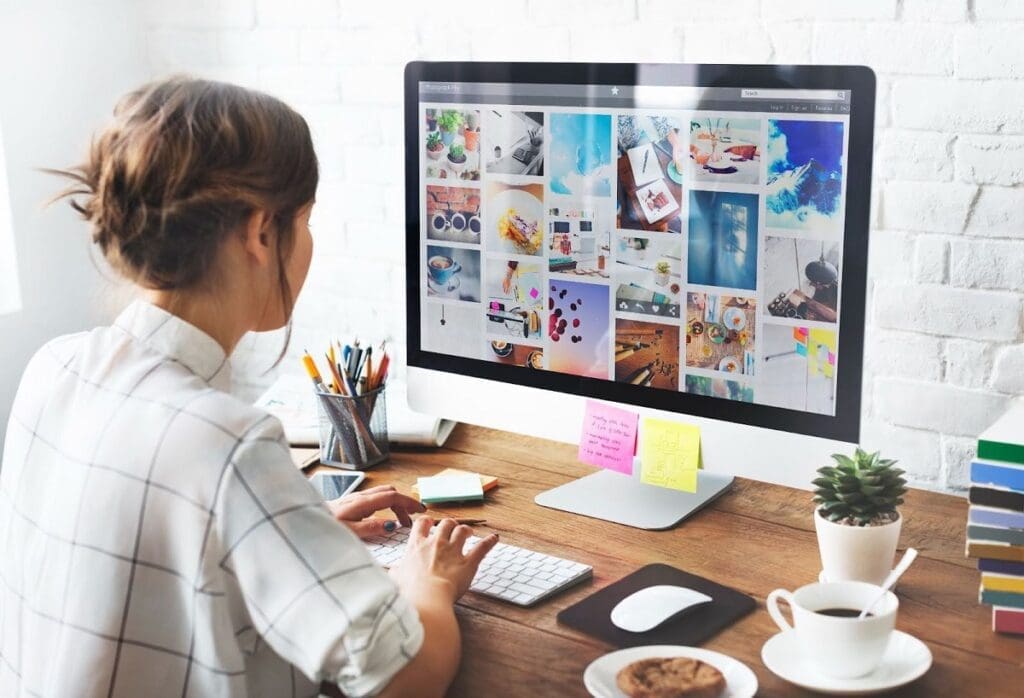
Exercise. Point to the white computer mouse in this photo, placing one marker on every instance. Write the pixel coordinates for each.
(650, 607)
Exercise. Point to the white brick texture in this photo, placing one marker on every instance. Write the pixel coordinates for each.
(941, 310)
(945, 408)
(944, 346)
(990, 159)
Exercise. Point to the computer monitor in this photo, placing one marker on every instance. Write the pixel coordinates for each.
(686, 240)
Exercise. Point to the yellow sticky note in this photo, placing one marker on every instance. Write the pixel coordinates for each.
(669, 454)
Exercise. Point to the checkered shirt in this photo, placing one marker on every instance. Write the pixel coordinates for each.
(156, 539)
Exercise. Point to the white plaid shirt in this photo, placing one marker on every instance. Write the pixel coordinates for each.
(156, 540)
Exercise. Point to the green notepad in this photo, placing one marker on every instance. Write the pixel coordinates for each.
(450, 488)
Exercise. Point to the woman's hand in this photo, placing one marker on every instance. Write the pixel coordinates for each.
(435, 563)
(356, 510)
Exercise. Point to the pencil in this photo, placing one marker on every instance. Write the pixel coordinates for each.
(462, 522)
(337, 378)
(311, 369)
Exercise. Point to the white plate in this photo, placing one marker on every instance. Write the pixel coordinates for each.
(527, 207)
(656, 214)
(724, 364)
(599, 677)
(905, 659)
(734, 315)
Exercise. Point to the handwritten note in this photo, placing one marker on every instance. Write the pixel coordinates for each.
(609, 437)
(669, 454)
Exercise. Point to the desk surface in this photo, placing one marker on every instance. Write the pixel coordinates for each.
(756, 538)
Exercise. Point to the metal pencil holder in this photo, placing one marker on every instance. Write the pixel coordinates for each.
(353, 429)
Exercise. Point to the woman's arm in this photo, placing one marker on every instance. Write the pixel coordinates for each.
(432, 670)
(433, 574)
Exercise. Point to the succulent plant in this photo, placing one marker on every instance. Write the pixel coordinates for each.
(434, 141)
(450, 120)
(457, 153)
(859, 490)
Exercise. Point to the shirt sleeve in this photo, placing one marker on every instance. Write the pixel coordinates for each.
(310, 587)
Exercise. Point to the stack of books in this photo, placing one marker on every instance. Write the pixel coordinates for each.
(995, 524)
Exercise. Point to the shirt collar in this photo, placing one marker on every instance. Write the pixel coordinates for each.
(178, 340)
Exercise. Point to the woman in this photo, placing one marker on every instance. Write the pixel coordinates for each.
(155, 537)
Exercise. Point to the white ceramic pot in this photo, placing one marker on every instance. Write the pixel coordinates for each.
(857, 553)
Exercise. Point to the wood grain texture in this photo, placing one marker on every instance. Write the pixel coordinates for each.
(757, 538)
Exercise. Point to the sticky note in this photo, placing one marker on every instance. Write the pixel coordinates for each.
(669, 454)
(450, 488)
(487, 482)
(609, 437)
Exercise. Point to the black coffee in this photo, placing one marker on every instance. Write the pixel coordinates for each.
(842, 612)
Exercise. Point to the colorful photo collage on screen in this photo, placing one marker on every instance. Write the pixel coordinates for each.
(681, 251)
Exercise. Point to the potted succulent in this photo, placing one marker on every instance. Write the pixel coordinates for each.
(856, 516)
(661, 272)
(457, 157)
(472, 131)
(434, 145)
(431, 119)
(449, 123)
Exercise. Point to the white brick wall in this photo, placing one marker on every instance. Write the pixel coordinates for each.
(945, 340)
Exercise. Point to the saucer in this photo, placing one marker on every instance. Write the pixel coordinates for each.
(905, 659)
(599, 676)
(448, 289)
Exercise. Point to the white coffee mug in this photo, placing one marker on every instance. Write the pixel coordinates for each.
(842, 648)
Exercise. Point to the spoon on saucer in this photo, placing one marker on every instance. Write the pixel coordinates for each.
(908, 558)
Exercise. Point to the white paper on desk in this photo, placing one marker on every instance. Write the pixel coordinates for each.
(644, 162)
(291, 399)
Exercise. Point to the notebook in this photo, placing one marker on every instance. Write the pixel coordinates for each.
(592, 615)
(290, 399)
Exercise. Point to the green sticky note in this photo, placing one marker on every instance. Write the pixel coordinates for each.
(450, 488)
(669, 454)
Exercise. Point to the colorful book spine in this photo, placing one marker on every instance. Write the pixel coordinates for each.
(1012, 536)
(1000, 499)
(985, 516)
(991, 449)
(1008, 620)
(1001, 598)
(1001, 567)
(1002, 582)
(995, 551)
(1004, 475)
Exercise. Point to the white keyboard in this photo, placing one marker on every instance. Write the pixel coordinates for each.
(512, 574)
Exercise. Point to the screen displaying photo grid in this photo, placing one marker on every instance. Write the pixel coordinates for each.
(678, 250)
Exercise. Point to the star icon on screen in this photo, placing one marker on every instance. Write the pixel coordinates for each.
(615, 90)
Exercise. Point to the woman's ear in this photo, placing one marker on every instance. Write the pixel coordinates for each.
(257, 238)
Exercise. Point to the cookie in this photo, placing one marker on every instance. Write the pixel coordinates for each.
(675, 677)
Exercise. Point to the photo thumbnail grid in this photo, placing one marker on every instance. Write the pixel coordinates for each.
(689, 252)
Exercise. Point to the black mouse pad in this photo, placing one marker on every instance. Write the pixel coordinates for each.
(592, 615)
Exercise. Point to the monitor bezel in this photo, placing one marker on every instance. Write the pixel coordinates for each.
(860, 80)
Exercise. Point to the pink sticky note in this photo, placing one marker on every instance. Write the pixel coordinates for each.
(609, 437)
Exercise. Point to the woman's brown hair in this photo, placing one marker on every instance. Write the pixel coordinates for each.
(182, 166)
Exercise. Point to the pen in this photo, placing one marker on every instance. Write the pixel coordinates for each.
(362, 366)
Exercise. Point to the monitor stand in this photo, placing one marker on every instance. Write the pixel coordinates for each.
(623, 499)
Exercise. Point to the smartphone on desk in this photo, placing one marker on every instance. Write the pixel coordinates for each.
(334, 485)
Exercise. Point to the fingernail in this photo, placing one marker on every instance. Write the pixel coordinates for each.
(390, 526)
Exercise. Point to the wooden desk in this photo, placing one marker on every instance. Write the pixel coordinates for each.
(756, 538)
